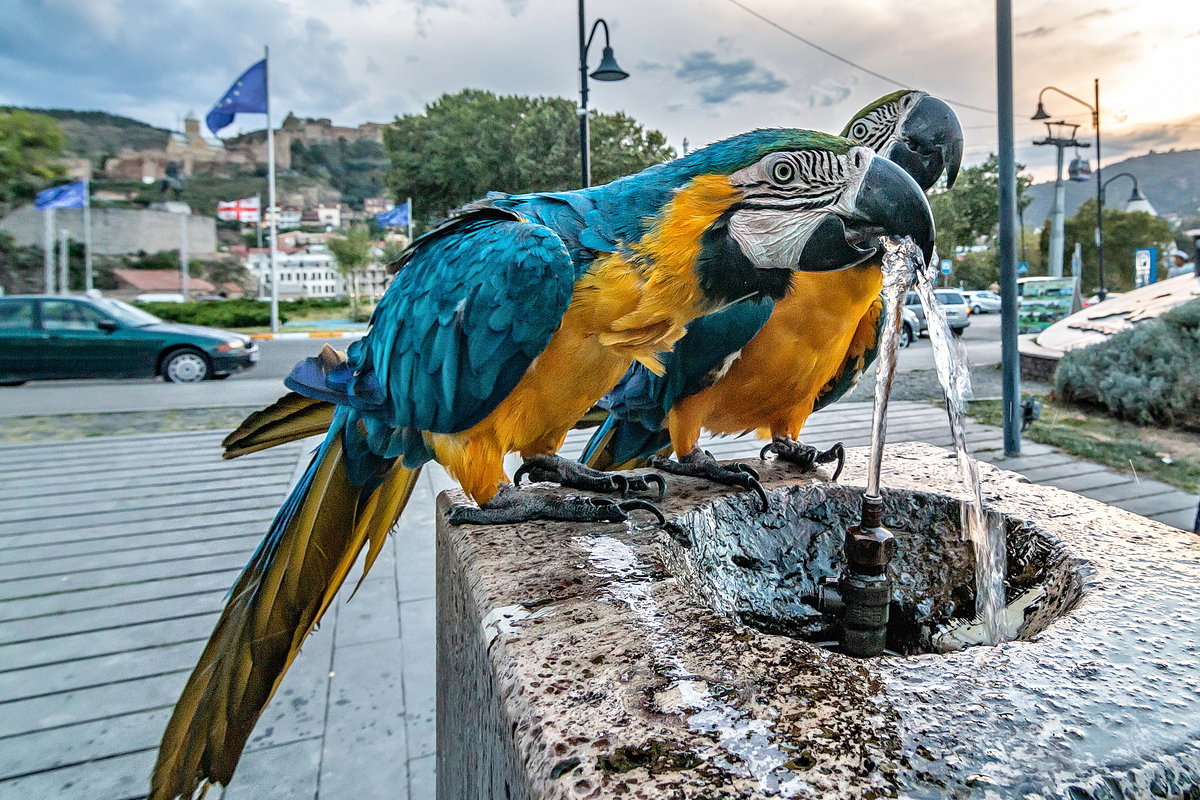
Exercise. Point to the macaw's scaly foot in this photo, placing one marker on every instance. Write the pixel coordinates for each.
(573, 475)
(701, 464)
(806, 456)
(511, 505)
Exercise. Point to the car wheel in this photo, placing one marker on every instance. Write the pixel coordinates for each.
(957, 331)
(906, 336)
(12, 383)
(185, 366)
(976, 310)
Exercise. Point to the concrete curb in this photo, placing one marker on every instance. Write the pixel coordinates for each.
(311, 335)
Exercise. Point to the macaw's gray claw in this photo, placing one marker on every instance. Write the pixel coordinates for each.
(643, 505)
(573, 475)
(511, 505)
(806, 456)
(641, 483)
(701, 464)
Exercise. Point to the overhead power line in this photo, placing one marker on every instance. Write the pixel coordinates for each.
(844, 60)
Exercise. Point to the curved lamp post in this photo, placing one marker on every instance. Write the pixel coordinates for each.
(608, 70)
(1041, 114)
(1137, 201)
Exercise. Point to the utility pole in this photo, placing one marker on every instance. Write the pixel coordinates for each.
(1060, 139)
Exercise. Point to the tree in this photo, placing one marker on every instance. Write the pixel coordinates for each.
(467, 144)
(969, 213)
(1123, 233)
(29, 145)
(352, 253)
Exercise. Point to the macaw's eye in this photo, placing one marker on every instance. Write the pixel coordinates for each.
(859, 130)
(783, 172)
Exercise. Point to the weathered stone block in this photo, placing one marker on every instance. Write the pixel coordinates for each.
(616, 661)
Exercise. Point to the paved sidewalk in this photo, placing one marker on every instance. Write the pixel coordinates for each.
(115, 555)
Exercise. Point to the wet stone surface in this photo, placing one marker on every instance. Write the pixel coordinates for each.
(593, 661)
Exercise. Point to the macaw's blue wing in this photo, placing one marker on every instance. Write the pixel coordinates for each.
(572, 215)
(472, 305)
(864, 347)
(638, 406)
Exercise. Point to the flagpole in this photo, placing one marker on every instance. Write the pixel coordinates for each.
(409, 202)
(271, 205)
(183, 255)
(63, 283)
(258, 222)
(48, 248)
(88, 280)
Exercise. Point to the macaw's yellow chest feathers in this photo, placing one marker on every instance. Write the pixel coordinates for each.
(826, 320)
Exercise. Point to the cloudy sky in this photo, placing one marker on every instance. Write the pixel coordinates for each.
(700, 69)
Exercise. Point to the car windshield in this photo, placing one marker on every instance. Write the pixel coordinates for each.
(125, 313)
(950, 298)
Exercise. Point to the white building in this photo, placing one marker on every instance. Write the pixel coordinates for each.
(313, 272)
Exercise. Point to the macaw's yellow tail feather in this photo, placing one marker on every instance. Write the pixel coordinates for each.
(276, 602)
(288, 419)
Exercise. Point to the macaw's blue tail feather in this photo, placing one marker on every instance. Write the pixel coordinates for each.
(623, 444)
(315, 539)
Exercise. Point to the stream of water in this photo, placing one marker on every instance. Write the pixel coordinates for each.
(987, 539)
(902, 264)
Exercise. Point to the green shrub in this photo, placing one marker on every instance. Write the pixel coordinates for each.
(1148, 374)
(239, 313)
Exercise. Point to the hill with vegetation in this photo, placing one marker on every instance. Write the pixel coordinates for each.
(1170, 181)
(98, 134)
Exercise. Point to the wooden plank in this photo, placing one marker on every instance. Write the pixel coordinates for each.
(30, 587)
(117, 530)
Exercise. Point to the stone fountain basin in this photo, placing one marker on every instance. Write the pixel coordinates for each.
(612, 661)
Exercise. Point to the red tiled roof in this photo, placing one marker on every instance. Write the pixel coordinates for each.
(158, 280)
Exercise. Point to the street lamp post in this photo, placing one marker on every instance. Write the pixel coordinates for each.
(607, 71)
(1058, 136)
(1041, 114)
(1137, 201)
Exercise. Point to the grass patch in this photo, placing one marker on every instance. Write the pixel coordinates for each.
(1166, 454)
(79, 426)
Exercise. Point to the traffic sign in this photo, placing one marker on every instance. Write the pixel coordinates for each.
(946, 266)
(1023, 268)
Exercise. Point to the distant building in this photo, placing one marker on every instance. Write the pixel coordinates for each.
(189, 151)
(312, 272)
(306, 130)
(132, 282)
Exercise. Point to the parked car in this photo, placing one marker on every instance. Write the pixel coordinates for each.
(910, 329)
(982, 302)
(47, 337)
(953, 304)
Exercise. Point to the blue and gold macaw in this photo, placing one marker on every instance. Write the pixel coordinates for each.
(767, 365)
(502, 328)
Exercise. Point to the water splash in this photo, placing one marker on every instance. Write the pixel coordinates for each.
(987, 536)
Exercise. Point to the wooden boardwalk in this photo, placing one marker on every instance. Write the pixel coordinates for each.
(115, 555)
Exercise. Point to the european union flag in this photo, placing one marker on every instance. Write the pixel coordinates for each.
(396, 217)
(69, 195)
(248, 95)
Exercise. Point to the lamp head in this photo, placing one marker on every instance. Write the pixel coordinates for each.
(608, 69)
(1040, 114)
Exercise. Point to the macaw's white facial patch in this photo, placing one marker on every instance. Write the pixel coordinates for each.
(787, 195)
(880, 127)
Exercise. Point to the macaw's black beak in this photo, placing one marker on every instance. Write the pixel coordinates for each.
(889, 203)
(931, 142)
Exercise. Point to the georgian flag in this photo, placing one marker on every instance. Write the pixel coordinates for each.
(241, 210)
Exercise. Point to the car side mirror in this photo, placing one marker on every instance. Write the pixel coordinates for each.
(108, 325)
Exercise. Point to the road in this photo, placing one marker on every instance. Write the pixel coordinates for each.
(263, 384)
